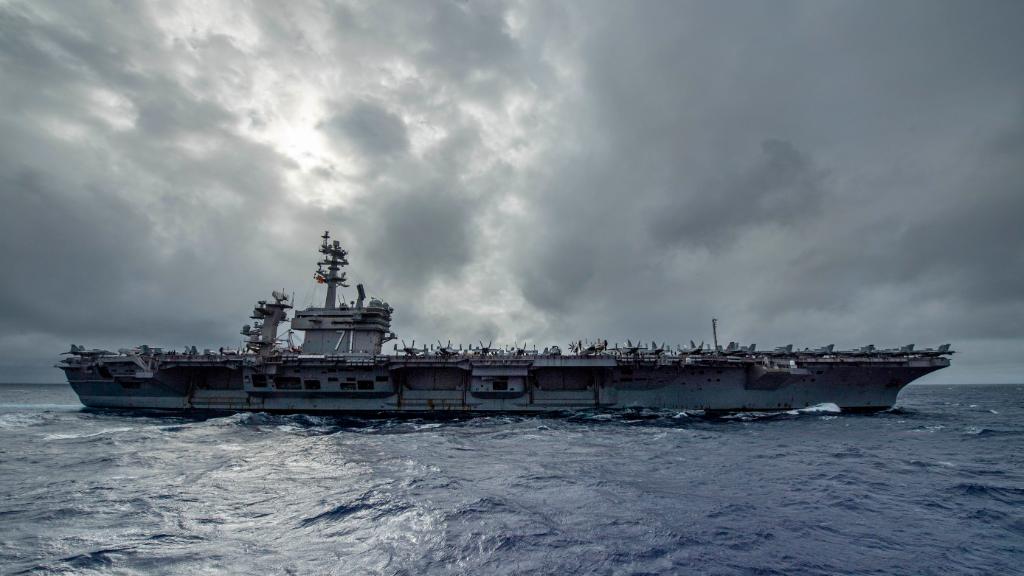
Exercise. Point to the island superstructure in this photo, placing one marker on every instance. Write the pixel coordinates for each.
(340, 367)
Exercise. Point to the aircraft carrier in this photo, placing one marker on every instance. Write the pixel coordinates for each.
(339, 367)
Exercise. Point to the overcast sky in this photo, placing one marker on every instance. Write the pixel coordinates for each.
(808, 173)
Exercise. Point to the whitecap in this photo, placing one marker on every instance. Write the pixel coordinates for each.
(827, 407)
(19, 420)
(72, 436)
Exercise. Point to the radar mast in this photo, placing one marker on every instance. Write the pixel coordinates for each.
(334, 259)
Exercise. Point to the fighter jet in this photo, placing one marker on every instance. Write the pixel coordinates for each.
(411, 351)
(590, 350)
(944, 349)
(735, 349)
(629, 349)
(901, 351)
(863, 351)
(693, 349)
(521, 350)
(81, 351)
(446, 351)
(657, 351)
(823, 351)
(484, 350)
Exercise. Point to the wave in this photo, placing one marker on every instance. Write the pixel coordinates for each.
(100, 559)
(639, 416)
(83, 435)
(823, 408)
(20, 420)
(983, 431)
(1005, 494)
(378, 504)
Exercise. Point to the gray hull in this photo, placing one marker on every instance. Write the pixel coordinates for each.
(538, 384)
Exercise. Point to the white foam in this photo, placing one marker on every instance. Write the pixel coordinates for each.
(70, 436)
(825, 407)
(18, 420)
(747, 416)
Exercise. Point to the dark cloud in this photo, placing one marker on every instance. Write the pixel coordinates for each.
(783, 188)
(422, 234)
(870, 210)
(374, 130)
(472, 42)
(844, 172)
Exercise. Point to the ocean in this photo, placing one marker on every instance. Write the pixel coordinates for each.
(934, 486)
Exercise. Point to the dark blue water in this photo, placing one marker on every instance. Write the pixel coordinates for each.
(933, 487)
